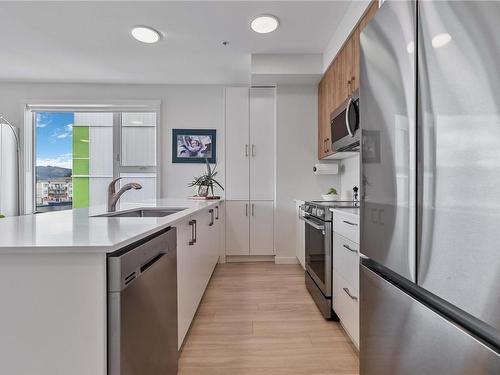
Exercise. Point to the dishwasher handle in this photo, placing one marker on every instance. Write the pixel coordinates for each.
(149, 263)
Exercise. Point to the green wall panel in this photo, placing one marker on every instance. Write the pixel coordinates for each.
(81, 140)
(80, 192)
(80, 167)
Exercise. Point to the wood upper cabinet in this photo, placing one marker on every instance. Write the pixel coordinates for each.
(340, 80)
(323, 120)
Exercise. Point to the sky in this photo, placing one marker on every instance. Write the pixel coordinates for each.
(54, 132)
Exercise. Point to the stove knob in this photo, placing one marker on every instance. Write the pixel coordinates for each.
(320, 212)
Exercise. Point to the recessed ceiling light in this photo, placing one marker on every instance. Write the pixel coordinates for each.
(264, 24)
(145, 34)
(440, 40)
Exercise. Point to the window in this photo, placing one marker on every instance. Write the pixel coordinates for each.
(77, 154)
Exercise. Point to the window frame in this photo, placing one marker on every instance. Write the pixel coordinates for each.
(117, 107)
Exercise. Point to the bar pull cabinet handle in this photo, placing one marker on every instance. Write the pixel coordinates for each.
(195, 230)
(216, 212)
(246, 150)
(346, 290)
(191, 224)
(253, 150)
(253, 209)
(246, 209)
(211, 212)
(349, 248)
(348, 222)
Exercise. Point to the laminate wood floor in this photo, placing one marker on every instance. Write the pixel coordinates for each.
(259, 319)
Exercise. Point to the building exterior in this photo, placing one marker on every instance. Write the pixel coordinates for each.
(54, 192)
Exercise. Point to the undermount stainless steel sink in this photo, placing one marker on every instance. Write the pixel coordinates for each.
(143, 212)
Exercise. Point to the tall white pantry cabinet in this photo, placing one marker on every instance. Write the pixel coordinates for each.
(250, 174)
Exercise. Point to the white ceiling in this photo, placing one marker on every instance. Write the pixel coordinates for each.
(90, 41)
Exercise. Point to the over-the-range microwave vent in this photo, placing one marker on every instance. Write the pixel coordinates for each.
(353, 147)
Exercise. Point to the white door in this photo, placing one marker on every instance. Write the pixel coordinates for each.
(237, 227)
(262, 143)
(216, 234)
(237, 143)
(262, 228)
(203, 270)
(186, 283)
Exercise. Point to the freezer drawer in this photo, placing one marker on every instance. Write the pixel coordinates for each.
(400, 335)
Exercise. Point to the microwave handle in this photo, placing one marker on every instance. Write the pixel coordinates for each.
(347, 117)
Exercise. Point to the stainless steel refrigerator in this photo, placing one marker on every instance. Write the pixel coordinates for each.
(430, 214)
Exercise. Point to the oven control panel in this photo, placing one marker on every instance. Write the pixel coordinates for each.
(312, 210)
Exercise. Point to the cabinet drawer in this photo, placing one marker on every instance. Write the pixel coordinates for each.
(346, 225)
(346, 259)
(347, 307)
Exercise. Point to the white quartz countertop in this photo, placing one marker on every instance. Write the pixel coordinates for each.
(76, 231)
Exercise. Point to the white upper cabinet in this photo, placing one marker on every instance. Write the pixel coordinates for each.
(237, 143)
(262, 143)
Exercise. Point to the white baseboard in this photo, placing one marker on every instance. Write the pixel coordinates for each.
(249, 258)
(286, 260)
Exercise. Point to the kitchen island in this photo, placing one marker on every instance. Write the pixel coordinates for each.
(53, 280)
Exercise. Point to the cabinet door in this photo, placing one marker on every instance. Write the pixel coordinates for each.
(237, 227)
(262, 144)
(261, 228)
(203, 250)
(186, 283)
(237, 143)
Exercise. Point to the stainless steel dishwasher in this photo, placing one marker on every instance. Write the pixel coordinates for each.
(142, 307)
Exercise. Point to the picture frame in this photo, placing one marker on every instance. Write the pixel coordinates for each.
(194, 145)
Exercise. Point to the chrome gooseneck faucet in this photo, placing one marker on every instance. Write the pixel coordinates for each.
(113, 196)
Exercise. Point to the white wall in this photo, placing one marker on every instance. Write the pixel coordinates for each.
(296, 153)
(349, 20)
(349, 177)
(183, 106)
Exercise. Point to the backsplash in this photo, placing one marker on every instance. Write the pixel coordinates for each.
(349, 176)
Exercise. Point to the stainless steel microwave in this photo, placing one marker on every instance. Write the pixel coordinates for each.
(344, 122)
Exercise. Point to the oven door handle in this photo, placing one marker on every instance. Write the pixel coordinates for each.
(312, 223)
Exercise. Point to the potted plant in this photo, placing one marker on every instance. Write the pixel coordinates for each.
(331, 195)
(206, 181)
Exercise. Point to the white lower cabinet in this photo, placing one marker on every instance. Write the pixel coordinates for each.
(237, 228)
(346, 305)
(262, 228)
(346, 271)
(249, 227)
(197, 255)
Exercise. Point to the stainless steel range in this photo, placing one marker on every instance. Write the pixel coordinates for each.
(318, 251)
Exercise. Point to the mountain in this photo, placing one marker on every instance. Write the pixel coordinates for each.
(48, 172)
